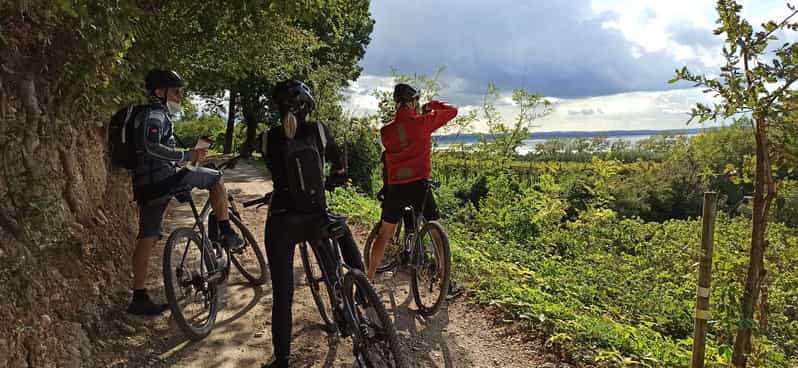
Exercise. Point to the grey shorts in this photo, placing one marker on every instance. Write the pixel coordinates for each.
(151, 212)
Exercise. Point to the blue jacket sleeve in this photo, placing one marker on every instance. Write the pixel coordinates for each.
(154, 124)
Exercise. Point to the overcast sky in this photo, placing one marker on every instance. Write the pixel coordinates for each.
(605, 62)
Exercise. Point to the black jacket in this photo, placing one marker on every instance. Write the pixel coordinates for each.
(273, 156)
(156, 169)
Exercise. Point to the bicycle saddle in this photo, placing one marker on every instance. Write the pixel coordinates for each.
(432, 183)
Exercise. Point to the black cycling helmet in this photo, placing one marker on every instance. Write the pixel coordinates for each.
(293, 96)
(405, 93)
(157, 78)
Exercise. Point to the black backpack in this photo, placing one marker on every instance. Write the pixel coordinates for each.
(122, 137)
(304, 166)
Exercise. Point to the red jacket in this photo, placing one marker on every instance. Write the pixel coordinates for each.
(408, 141)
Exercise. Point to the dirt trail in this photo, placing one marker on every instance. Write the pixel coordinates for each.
(461, 335)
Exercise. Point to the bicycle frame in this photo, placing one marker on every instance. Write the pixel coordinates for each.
(330, 255)
(418, 222)
(201, 218)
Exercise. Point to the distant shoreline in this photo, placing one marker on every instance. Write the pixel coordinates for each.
(450, 138)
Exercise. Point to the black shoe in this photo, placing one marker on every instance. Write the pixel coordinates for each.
(145, 307)
(278, 363)
(232, 241)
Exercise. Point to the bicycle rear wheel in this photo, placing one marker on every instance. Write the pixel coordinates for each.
(430, 268)
(394, 249)
(190, 289)
(375, 341)
(250, 261)
(318, 284)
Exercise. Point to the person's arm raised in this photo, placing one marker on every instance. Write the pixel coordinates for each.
(441, 114)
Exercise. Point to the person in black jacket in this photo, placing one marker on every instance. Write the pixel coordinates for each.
(290, 222)
(157, 176)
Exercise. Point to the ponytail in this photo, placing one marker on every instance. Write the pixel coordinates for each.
(289, 125)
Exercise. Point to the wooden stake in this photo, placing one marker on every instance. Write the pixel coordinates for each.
(702, 309)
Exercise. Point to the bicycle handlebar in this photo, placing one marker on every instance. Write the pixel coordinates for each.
(262, 200)
(330, 183)
(229, 164)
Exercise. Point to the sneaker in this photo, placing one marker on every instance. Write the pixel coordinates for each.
(278, 363)
(232, 241)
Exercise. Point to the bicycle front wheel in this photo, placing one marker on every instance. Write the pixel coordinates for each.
(375, 341)
(394, 250)
(318, 284)
(188, 271)
(250, 261)
(429, 279)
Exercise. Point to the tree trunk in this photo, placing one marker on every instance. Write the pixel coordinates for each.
(249, 144)
(763, 197)
(251, 119)
(231, 120)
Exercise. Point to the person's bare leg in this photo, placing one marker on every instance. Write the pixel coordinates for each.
(378, 249)
(141, 303)
(141, 260)
(220, 205)
(218, 197)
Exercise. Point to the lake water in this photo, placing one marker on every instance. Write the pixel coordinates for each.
(529, 144)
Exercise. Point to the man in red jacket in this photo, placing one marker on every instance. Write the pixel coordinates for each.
(408, 142)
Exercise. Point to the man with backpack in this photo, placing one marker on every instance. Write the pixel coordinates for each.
(142, 140)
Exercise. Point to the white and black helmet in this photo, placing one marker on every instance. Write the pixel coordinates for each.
(158, 78)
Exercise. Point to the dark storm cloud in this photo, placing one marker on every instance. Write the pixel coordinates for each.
(558, 48)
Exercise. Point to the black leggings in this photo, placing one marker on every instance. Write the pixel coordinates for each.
(282, 234)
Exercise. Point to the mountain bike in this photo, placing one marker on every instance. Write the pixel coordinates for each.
(196, 265)
(425, 253)
(348, 303)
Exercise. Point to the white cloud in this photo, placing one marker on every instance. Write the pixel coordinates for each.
(655, 25)
(605, 48)
(359, 95)
(648, 24)
(624, 111)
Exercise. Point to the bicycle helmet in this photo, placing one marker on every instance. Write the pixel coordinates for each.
(157, 78)
(293, 96)
(405, 93)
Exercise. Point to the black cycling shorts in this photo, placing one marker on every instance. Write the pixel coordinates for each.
(399, 196)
